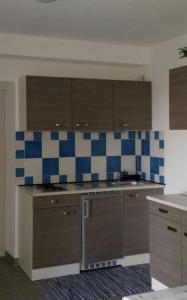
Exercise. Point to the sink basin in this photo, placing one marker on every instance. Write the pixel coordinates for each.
(122, 183)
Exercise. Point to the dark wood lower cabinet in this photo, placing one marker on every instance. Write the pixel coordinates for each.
(136, 221)
(56, 236)
(184, 254)
(165, 251)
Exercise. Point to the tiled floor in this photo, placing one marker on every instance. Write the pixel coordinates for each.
(15, 285)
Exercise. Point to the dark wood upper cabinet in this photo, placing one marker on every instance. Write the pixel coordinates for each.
(92, 104)
(178, 98)
(132, 105)
(48, 103)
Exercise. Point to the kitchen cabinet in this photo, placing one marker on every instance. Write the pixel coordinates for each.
(103, 227)
(136, 221)
(184, 254)
(45, 103)
(177, 98)
(165, 248)
(132, 105)
(92, 104)
(56, 231)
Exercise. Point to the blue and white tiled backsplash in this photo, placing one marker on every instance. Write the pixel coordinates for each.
(51, 156)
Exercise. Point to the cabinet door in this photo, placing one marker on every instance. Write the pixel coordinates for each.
(132, 105)
(178, 98)
(92, 104)
(48, 103)
(165, 251)
(56, 236)
(104, 228)
(184, 254)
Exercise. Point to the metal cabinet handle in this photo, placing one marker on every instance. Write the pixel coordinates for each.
(62, 125)
(162, 210)
(86, 209)
(172, 229)
(69, 213)
(86, 124)
(55, 201)
(185, 234)
(58, 125)
(77, 124)
(124, 125)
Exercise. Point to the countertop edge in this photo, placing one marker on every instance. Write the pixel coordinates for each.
(168, 203)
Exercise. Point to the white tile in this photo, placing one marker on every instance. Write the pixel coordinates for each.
(20, 180)
(67, 166)
(161, 135)
(62, 135)
(94, 135)
(113, 147)
(161, 171)
(29, 136)
(154, 149)
(54, 178)
(98, 165)
(33, 167)
(87, 177)
(157, 178)
(46, 135)
(20, 163)
(83, 148)
(71, 178)
(110, 135)
(138, 147)
(37, 179)
(50, 148)
(147, 176)
(145, 164)
(129, 164)
(102, 176)
(125, 135)
(20, 145)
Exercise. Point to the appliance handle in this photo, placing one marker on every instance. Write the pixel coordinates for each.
(86, 209)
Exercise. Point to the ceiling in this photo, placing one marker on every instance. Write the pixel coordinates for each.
(135, 22)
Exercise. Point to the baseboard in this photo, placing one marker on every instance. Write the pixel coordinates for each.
(136, 259)
(51, 272)
(12, 260)
(157, 285)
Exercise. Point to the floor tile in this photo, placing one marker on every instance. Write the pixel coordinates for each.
(10, 295)
(14, 272)
(32, 294)
(23, 282)
(5, 284)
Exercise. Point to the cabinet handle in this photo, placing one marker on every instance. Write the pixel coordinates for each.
(62, 125)
(135, 195)
(164, 211)
(58, 124)
(185, 234)
(55, 201)
(124, 125)
(86, 124)
(69, 213)
(172, 229)
(77, 125)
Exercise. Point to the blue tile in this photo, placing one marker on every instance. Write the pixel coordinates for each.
(54, 135)
(83, 165)
(162, 162)
(102, 135)
(98, 148)
(117, 135)
(37, 136)
(147, 135)
(79, 178)
(138, 163)
(145, 147)
(67, 148)
(161, 144)
(154, 165)
(162, 179)
(152, 177)
(157, 135)
(33, 149)
(113, 164)
(50, 166)
(143, 176)
(20, 172)
(139, 135)
(87, 135)
(46, 179)
(95, 177)
(128, 147)
(20, 136)
(110, 176)
(132, 134)
(71, 135)
(29, 180)
(20, 154)
(63, 179)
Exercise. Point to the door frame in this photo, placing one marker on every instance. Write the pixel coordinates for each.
(9, 88)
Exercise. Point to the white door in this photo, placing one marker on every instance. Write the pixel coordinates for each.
(2, 170)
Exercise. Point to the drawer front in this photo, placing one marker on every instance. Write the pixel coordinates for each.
(184, 254)
(166, 212)
(165, 251)
(56, 201)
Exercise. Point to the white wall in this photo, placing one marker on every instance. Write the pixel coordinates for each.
(164, 57)
(11, 69)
